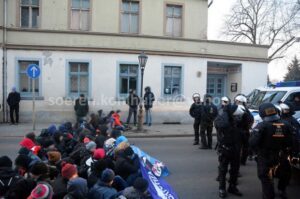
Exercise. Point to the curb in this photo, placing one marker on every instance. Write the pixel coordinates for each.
(128, 136)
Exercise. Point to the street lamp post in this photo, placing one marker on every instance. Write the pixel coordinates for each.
(142, 61)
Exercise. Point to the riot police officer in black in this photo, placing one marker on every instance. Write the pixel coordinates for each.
(208, 115)
(195, 112)
(273, 140)
(228, 148)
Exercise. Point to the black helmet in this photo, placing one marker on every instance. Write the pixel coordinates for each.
(268, 112)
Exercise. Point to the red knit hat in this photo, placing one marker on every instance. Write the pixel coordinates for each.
(68, 170)
(41, 191)
(27, 143)
(99, 154)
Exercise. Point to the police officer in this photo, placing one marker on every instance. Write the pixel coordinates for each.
(208, 115)
(195, 112)
(272, 139)
(246, 121)
(228, 149)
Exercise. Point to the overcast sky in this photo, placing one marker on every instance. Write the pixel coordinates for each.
(216, 14)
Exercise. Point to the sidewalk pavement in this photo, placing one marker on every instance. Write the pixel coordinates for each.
(156, 130)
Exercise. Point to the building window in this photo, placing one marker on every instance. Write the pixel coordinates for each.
(130, 17)
(128, 78)
(172, 80)
(25, 83)
(29, 13)
(80, 14)
(78, 79)
(174, 20)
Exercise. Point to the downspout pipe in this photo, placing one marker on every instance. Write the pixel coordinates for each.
(4, 63)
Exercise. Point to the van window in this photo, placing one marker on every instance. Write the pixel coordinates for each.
(267, 96)
(290, 99)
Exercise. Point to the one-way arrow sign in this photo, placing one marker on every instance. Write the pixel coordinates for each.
(33, 71)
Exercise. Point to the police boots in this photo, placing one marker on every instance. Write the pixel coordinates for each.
(233, 190)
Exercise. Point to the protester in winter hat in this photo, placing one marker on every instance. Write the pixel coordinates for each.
(103, 187)
(52, 129)
(91, 146)
(31, 136)
(41, 191)
(39, 171)
(27, 143)
(76, 186)
(22, 163)
(54, 157)
(138, 190)
(68, 171)
(99, 154)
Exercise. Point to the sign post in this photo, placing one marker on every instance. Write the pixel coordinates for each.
(33, 72)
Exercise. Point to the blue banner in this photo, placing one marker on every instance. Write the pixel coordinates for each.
(158, 188)
(155, 166)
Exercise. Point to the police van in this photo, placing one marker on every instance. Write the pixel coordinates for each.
(280, 92)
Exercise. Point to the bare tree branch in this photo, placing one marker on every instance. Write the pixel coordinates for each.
(266, 22)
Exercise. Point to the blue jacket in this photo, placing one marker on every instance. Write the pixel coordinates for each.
(102, 191)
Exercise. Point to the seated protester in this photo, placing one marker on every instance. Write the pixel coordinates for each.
(8, 177)
(103, 188)
(42, 191)
(51, 130)
(59, 187)
(127, 165)
(101, 136)
(31, 136)
(109, 146)
(22, 189)
(84, 167)
(97, 168)
(138, 190)
(27, 143)
(76, 186)
(94, 121)
(54, 160)
(23, 164)
(69, 144)
(58, 139)
(39, 172)
(117, 124)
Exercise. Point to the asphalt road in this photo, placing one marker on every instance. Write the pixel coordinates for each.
(193, 171)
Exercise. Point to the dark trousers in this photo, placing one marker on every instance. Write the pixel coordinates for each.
(267, 170)
(14, 110)
(245, 147)
(196, 129)
(208, 127)
(134, 112)
(226, 158)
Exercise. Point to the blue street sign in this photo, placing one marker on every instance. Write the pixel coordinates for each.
(33, 71)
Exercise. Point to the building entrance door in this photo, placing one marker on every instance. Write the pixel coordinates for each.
(216, 87)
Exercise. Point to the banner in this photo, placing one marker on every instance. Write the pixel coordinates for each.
(155, 166)
(158, 188)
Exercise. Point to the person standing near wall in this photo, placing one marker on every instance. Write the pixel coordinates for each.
(13, 100)
(81, 108)
(132, 101)
(149, 98)
(195, 112)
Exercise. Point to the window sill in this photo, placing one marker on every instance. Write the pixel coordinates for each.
(70, 98)
(31, 98)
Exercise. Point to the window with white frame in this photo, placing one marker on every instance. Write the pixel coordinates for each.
(78, 78)
(80, 14)
(174, 20)
(128, 78)
(29, 13)
(25, 83)
(172, 80)
(130, 17)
